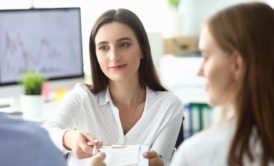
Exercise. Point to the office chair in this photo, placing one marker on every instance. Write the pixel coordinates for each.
(180, 138)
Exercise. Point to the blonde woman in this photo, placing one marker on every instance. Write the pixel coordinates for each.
(238, 66)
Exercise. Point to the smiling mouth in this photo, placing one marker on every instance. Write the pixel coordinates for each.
(117, 67)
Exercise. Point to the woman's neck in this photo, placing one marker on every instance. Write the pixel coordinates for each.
(127, 94)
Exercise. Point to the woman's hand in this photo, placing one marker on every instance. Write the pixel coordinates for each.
(81, 143)
(97, 159)
(153, 158)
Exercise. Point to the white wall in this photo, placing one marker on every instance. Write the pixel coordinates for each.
(193, 12)
(153, 13)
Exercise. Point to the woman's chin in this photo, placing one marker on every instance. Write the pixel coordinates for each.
(214, 102)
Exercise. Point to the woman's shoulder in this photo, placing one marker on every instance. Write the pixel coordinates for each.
(213, 136)
(165, 96)
(82, 88)
(210, 145)
(80, 92)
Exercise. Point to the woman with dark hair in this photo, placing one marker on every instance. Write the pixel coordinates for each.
(126, 103)
(238, 66)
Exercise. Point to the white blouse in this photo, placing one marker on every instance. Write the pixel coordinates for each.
(211, 147)
(158, 126)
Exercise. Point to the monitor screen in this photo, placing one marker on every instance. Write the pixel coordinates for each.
(44, 40)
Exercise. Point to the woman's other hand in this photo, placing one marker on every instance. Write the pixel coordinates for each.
(80, 143)
(153, 158)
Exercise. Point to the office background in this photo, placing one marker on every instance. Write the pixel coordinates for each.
(177, 69)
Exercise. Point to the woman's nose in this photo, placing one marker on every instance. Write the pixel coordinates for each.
(114, 54)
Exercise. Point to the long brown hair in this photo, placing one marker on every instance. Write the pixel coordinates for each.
(248, 29)
(147, 73)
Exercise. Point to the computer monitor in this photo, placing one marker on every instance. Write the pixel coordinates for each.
(47, 40)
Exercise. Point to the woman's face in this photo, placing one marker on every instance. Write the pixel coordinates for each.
(217, 68)
(118, 52)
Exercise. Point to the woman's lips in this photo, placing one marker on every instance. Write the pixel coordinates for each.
(117, 67)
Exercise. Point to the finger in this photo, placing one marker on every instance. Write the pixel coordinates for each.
(153, 158)
(100, 156)
(98, 143)
(80, 154)
(155, 161)
(150, 154)
(88, 137)
(97, 160)
(95, 142)
(92, 141)
(85, 147)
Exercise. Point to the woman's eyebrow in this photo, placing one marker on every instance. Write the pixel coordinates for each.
(123, 39)
(102, 42)
(119, 40)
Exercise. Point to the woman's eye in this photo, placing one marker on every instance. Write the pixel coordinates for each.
(103, 48)
(124, 44)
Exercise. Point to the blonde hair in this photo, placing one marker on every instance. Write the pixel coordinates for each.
(248, 29)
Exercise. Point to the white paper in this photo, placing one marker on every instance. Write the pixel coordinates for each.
(124, 155)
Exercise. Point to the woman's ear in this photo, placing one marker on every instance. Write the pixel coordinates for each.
(237, 64)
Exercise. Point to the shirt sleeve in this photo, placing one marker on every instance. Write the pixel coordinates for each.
(166, 140)
(66, 117)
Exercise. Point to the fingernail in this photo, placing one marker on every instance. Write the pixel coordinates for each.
(145, 154)
(89, 143)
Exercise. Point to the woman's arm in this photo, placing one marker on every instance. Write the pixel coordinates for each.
(66, 117)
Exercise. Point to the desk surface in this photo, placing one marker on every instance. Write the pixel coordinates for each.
(12, 107)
